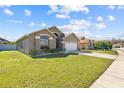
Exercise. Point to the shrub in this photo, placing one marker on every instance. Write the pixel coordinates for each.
(54, 50)
(44, 47)
(46, 50)
(103, 45)
(83, 48)
(33, 52)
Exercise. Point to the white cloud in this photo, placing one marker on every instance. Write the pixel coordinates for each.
(32, 24)
(99, 18)
(27, 12)
(62, 16)
(121, 7)
(5, 6)
(76, 25)
(80, 34)
(8, 12)
(111, 7)
(40, 24)
(36, 24)
(53, 8)
(65, 10)
(87, 34)
(43, 24)
(81, 25)
(15, 21)
(74, 8)
(100, 26)
(111, 18)
(7, 36)
(89, 18)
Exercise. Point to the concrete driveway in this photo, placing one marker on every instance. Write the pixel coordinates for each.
(101, 55)
(113, 77)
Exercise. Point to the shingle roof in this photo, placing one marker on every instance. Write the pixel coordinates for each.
(68, 34)
(27, 35)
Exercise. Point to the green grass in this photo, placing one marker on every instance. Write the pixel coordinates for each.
(105, 51)
(18, 70)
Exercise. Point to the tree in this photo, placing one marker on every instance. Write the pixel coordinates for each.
(103, 45)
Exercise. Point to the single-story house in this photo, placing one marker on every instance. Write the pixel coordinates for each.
(118, 45)
(86, 43)
(4, 41)
(51, 37)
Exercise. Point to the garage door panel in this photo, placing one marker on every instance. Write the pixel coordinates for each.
(70, 46)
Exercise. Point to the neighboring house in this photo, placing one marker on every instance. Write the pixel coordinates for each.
(52, 38)
(6, 45)
(118, 45)
(86, 43)
(3, 41)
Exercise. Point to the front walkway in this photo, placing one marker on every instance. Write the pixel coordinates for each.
(113, 77)
(101, 55)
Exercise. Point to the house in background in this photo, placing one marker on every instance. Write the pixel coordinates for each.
(118, 45)
(4, 41)
(86, 43)
(52, 38)
(7, 45)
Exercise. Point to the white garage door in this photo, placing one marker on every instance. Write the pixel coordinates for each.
(70, 46)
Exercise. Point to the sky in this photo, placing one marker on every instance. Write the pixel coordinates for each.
(92, 21)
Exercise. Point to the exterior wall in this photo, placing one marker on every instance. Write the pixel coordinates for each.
(86, 44)
(31, 42)
(83, 45)
(23, 46)
(91, 44)
(72, 38)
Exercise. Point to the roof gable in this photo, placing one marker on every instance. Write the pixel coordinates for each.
(47, 31)
(54, 29)
(27, 35)
(70, 35)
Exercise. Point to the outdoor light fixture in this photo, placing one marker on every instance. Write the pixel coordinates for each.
(37, 37)
(50, 38)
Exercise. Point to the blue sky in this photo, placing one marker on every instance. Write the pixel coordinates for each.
(95, 22)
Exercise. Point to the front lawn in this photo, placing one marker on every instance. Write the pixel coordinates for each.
(105, 51)
(64, 70)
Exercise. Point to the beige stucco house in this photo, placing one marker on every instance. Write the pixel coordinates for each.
(86, 43)
(51, 37)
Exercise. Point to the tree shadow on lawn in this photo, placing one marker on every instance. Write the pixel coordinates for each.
(59, 55)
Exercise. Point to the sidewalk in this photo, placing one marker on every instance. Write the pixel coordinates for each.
(113, 77)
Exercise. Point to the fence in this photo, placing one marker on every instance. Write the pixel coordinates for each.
(7, 47)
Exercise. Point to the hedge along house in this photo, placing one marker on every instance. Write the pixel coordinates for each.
(52, 38)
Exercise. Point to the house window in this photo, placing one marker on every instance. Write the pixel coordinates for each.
(44, 40)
